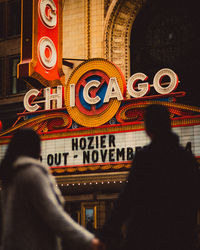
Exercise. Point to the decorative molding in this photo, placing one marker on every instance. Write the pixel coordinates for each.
(93, 168)
(133, 111)
(43, 123)
(88, 28)
(106, 6)
(117, 31)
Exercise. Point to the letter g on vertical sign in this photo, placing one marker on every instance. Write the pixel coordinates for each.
(41, 43)
(47, 11)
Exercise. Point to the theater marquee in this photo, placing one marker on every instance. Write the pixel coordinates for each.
(94, 120)
(115, 148)
(89, 123)
(104, 151)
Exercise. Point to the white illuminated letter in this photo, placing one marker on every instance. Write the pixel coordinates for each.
(86, 90)
(72, 95)
(28, 107)
(143, 88)
(47, 10)
(47, 52)
(50, 97)
(172, 84)
(113, 90)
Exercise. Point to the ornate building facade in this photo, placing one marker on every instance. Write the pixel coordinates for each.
(104, 39)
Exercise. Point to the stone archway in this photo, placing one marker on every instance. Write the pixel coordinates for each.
(118, 23)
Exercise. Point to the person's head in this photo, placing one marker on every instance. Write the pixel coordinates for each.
(157, 120)
(25, 142)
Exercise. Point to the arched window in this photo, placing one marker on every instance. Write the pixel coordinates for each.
(166, 34)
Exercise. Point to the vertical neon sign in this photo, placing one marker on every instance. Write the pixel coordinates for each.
(41, 43)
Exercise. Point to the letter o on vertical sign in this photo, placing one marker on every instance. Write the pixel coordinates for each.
(48, 13)
(47, 59)
(172, 84)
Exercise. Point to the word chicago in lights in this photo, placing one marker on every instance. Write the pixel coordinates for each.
(112, 91)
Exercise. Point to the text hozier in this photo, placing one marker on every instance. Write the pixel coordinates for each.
(91, 149)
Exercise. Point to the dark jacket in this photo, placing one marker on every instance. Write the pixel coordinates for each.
(159, 202)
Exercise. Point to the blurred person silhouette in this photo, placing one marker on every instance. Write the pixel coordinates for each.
(32, 205)
(158, 205)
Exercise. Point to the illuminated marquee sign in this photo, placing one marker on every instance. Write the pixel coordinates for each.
(102, 149)
(108, 148)
(95, 90)
(41, 43)
(92, 149)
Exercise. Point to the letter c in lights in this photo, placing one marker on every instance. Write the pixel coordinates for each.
(88, 86)
(47, 11)
(28, 107)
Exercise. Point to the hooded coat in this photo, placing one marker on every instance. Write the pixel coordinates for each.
(33, 214)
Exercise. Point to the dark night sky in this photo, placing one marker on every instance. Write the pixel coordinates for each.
(166, 34)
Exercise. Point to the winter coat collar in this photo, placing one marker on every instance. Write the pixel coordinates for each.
(25, 160)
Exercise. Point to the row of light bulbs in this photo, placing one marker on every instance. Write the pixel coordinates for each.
(90, 183)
